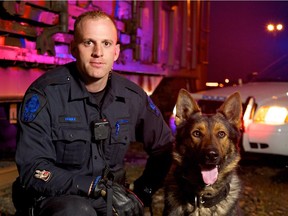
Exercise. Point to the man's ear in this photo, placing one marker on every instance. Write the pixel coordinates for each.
(117, 52)
(73, 48)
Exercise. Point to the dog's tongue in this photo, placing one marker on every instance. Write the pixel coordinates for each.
(210, 176)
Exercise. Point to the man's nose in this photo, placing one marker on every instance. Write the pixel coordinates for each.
(97, 51)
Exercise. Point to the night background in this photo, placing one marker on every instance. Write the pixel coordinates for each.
(239, 43)
(166, 45)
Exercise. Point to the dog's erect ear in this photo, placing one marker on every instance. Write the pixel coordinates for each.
(185, 106)
(232, 109)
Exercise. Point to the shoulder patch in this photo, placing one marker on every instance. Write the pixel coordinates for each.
(32, 104)
(43, 175)
(153, 107)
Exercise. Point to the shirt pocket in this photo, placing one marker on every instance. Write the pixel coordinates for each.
(120, 140)
(72, 146)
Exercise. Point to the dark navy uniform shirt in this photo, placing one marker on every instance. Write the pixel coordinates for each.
(56, 152)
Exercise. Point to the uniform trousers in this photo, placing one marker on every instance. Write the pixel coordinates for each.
(71, 205)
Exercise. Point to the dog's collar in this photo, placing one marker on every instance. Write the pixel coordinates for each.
(207, 201)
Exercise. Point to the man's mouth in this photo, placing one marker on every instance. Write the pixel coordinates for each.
(96, 64)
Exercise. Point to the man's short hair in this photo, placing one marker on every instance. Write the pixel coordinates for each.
(96, 14)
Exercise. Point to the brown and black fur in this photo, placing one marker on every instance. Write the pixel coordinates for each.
(204, 143)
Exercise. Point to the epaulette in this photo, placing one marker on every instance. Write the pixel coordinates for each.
(131, 86)
(59, 75)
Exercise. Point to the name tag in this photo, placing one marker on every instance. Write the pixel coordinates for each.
(69, 119)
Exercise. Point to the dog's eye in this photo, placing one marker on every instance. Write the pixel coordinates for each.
(221, 134)
(196, 133)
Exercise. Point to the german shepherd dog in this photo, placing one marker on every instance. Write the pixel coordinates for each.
(203, 179)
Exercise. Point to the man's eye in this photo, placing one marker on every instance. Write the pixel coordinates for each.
(87, 43)
(107, 44)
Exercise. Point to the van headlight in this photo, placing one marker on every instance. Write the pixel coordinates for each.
(272, 115)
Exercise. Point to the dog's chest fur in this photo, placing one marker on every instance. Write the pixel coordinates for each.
(181, 202)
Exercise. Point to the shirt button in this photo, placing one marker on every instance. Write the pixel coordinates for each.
(95, 157)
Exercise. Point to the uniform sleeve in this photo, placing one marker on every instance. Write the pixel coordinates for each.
(153, 130)
(157, 138)
(36, 155)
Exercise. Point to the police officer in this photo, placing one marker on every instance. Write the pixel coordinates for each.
(75, 126)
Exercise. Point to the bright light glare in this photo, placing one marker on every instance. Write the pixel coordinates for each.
(279, 27)
(227, 80)
(247, 114)
(174, 111)
(212, 84)
(272, 115)
(276, 115)
(270, 27)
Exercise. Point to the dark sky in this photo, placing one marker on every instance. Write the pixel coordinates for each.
(239, 42)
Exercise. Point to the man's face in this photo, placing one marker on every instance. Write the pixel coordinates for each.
(95, 48)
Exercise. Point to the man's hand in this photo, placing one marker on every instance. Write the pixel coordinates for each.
(97, 186)
(125, 202)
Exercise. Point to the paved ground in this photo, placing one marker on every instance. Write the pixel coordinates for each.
(265, 186)
(8, 174)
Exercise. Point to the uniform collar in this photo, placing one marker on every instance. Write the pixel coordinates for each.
(77, 87)
(79, 91)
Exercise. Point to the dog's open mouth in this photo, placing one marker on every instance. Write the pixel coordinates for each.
(209, 175)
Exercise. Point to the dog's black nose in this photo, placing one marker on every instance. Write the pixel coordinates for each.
(212, 156)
